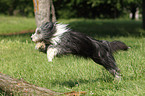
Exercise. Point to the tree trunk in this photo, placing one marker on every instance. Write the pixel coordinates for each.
(53, 12)
(43, 10)
(133, 11)
(19, 87)
(133, 15)
(143, 13)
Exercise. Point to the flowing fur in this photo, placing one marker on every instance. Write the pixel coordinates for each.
(60, 40)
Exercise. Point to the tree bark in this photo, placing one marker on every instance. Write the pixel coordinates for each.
(53, 12)
(21, 88)
(44, 11)
(143, 13)
(133, 14)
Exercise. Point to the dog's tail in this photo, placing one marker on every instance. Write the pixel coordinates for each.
(118, 45)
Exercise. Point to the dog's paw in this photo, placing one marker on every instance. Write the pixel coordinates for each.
(49, 60)
(40, 46)
(117, 78)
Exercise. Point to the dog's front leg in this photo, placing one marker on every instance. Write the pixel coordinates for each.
(51, 52)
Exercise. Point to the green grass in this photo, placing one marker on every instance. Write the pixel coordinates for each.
(16, 24)
(19, 59)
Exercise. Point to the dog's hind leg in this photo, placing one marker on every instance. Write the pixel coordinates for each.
(107, 60)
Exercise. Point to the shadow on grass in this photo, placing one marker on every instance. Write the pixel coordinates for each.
(77, 82)
(97, 28)
(73, 83)
(109, 28)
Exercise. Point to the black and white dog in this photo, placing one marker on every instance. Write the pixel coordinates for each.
(56, 39)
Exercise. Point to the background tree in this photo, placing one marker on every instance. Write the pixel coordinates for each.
(44, 11)
(132, 6)
(16, 7)
(88, 8)
(143, 13)
(75, 8)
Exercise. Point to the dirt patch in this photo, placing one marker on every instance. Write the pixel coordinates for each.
(17, 33)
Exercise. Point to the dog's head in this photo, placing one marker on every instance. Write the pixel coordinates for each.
(44, 32)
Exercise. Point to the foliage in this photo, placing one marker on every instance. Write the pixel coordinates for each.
(16, 7)
(75, 8)
(91, 9)
(18, 58)
(98, 8)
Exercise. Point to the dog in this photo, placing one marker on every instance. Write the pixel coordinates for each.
(57, 39)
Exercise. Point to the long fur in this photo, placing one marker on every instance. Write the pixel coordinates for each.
(61, 40)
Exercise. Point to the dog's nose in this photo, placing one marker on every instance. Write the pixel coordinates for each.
(31, 37)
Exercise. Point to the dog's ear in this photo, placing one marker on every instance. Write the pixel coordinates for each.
(47, 26)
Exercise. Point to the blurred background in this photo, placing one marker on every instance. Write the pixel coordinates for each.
(67, 9)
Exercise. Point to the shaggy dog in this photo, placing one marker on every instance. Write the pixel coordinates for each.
(56, 39)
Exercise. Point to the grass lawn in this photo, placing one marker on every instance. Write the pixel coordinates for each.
(19, 59)
(16, 24)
